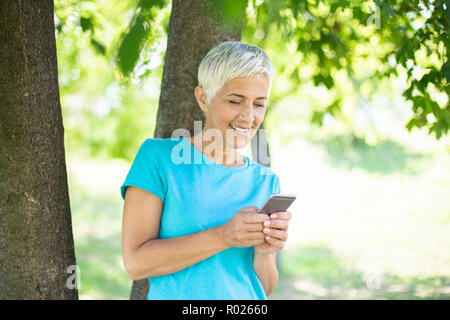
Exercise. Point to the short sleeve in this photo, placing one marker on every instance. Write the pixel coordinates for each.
(145, 172)
(276, 185)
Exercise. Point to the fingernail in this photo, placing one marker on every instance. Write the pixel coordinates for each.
(267, 223)
(273, 216)
(266, 230)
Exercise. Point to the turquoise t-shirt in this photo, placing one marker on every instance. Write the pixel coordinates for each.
(199, 194)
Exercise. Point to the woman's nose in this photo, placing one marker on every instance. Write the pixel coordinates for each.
(248, 114)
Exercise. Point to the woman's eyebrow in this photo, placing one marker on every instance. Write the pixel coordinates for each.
(241, 96)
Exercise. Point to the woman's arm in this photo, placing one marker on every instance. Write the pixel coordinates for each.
(146, 256)
(266, 269)
(158, 257)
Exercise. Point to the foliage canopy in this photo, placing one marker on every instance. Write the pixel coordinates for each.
(345, 47)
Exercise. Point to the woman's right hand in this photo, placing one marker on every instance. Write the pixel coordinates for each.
(244, 229)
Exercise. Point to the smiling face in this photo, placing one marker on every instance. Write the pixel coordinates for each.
(237, 110)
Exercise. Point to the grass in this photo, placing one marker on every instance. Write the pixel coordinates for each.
(96, 218)
(370, 222)
(316, 272)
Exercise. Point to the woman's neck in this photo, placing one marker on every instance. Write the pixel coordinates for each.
(216, 150)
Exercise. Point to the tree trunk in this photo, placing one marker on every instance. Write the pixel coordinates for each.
(195, 27)
(37, 258)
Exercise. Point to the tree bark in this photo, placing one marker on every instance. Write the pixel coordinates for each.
(195, 27)
(37, 258)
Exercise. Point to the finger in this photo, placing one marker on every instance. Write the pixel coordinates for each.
(277, 224)
(255, 217)
(255, 236)
(252, 227)
(276, 243)
(276, 233)
(283, 215)
(250, 209)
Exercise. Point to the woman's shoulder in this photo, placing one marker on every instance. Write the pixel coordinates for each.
(261, 169)
(160, 142)
(158, 147)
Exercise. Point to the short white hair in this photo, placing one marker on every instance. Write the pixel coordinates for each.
(230, 60)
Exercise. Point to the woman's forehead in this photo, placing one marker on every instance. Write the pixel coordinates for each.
(244, 86)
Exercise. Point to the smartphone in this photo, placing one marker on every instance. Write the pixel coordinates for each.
(277, 202)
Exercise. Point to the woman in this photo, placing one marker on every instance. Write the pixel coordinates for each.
(192, 227)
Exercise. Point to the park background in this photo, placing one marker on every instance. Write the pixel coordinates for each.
(372, 216)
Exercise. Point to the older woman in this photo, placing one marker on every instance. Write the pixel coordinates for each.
(192, 227)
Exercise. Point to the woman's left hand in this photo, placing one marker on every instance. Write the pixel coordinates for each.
(276, 231)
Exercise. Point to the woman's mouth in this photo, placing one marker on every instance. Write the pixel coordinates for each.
(242, 131)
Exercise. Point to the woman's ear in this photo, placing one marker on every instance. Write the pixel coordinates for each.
(200, 94)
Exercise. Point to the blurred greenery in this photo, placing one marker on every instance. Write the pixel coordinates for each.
(365, 183)
(103, 115)
(334, 57)
(348, 46)
(315, 272)
(388, 156)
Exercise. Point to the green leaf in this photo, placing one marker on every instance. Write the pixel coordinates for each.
(100, 48)
(334, 107)
(412, 123)
(446, 70)
(408, 93)
(86, 24)
(338, 4)
(231, 10)
(147, 4)
(131, 46)
(317, 118)
(327, 81)
(134, 39)
(418, 103)
(388, 8)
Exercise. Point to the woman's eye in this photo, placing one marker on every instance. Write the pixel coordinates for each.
(238, 102)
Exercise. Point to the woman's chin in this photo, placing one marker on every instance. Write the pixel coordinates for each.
(239, 143)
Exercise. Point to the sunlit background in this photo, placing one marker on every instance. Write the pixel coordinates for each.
(372, 218)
